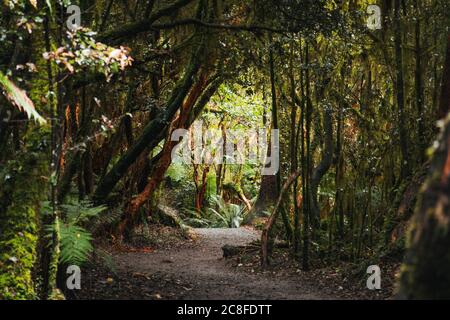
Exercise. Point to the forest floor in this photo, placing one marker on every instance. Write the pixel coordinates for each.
(194, 268)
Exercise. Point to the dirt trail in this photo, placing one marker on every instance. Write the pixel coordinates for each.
(198, 271)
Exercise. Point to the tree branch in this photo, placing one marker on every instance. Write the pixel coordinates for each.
(135, 28)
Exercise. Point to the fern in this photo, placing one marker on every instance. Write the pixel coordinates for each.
(224, 215)
(76, 241)
(228, 215)
(111, 217)
(76, 244)
(19, 98)
(80, 211)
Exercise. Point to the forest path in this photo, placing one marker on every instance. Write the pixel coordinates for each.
(198, 271)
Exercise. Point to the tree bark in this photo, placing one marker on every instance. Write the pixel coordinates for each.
(294, 139)
(444, 105)
(426, 266)
(324, 165)
(270, 222)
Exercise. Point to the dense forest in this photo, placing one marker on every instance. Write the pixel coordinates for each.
(303, 138)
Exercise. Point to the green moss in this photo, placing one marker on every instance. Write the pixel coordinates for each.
(20, 197)
(16, 265)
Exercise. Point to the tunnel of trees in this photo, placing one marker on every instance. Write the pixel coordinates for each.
(87, 114)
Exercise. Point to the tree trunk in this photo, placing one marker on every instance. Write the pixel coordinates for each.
(294, 153)
(444, 106)
(269, 188)
(270, 222)
(284, 215)
(149, 138)
(419, 86)
(306, 164)
(426, 266)
(166, 154)
(201, 191)
(405, 165)
(323, 166)
(427, 262)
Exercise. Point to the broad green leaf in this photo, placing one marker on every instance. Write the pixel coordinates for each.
(19, 98)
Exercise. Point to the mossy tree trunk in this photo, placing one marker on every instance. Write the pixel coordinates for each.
(426, 269)
(20, 197)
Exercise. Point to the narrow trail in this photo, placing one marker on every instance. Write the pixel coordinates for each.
(204, 274)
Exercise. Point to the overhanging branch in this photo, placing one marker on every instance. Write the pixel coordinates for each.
(231, 27)
(135, 28)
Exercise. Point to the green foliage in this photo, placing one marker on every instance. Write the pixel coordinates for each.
(323, 57)
(20, 194)
(224, 215)
(105, 219)
(211, 185)
(248, 180)
(241, 104)
(16, 264)
(75, 244)
(78, 212)
(176, 172)
(76, 240)
(19, 99)
(85, 54)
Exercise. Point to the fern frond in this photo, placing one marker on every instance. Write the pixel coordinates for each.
(19, 99)
(80, 211)
(76, 246)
